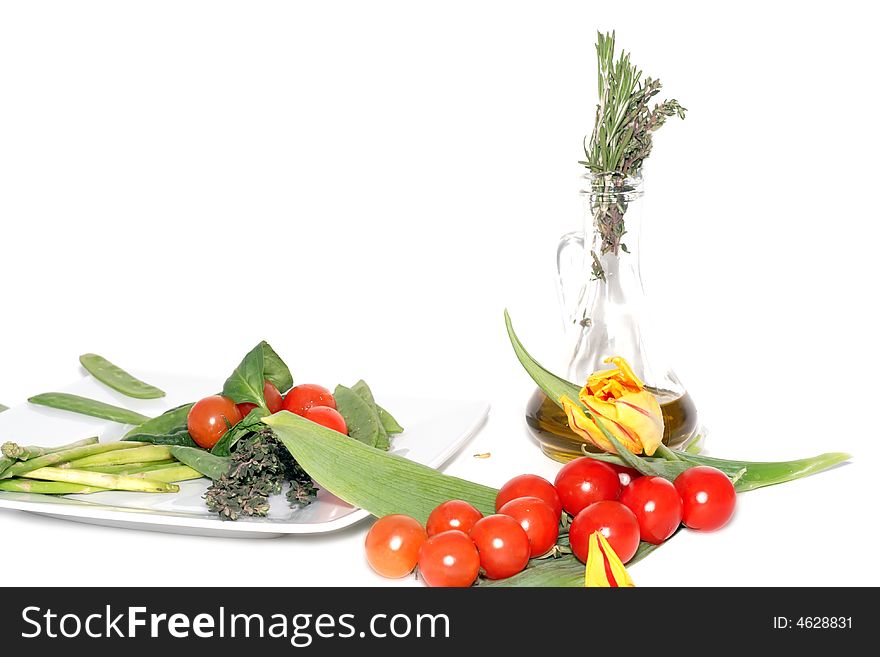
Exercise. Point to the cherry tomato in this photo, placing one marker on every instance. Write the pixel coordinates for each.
(584, 481)
(272, 396)
(616, 522)
(503, 545)
(656, 505)
(708, 498)
(625, 474)
(449, 559)
(393, 545)
(327, 417)
(529, 485)
(454, 514)
(210, 418)
(301, 398)
(538, 519)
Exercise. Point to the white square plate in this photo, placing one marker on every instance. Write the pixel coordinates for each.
(435, 431)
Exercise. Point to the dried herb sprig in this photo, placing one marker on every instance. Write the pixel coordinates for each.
(260, 467)
(622, 138)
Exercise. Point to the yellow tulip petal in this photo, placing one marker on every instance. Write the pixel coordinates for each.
(584, 426)
(640, 413)
(626, 371)
(608, 414)
(604, 568)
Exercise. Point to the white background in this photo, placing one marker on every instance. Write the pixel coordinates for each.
(368, 185)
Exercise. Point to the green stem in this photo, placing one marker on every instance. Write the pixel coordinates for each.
(143, 454)
(102, 480)
(67, 455)
(666, 453)
(46, 487)
(16, 451)
(178, 472)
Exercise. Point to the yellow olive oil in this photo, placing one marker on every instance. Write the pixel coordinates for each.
(549, 426)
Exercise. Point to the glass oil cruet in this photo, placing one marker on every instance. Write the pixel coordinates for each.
(602, 296)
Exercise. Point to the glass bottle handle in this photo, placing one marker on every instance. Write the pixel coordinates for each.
(570, 264)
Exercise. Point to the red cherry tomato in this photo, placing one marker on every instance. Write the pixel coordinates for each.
(393, 545)
(626, 475)
(210, 418)
(539, 521)
(529, 485)
(449, 559)
(503, 546)
(656, 505)
(327, 417)
(454, 514)
(584, 481)
(301, 398)
(708, 498)
(273, 400)
(616, 522)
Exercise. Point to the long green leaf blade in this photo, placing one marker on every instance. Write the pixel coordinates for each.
(371, 479)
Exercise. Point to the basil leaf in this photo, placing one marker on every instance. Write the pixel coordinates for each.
(360, 417)
(249, 424)
(245, 385)
(275, 370)
(389, 424)
(363, 391)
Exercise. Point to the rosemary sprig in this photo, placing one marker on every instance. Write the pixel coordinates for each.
(622, 137)
(621, 140)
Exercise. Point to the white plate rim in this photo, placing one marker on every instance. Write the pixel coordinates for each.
(164, 519)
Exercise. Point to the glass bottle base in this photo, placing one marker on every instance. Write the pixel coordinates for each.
(549, 426)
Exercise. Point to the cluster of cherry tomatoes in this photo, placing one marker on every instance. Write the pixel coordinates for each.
(210, 418)
(458, 541)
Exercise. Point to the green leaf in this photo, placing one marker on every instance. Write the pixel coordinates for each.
(245, 385)
(3, 408)
(389, 424)
(179, 437)
(85, 406)
(369, 478)
(757, 473)
(171, 421)
(275, 370)
(249, 424)
(360, 417)
(117, 378)
(552, 385)
(565, 571)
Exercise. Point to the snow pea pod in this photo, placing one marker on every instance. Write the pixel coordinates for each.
(85, 406)
(115, 377)
(210, 465)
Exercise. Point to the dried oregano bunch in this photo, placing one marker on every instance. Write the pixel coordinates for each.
(260, 467)
(621, 139)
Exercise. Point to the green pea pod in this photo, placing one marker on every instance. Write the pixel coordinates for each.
(180, 437)
(117, 378)
(170, 422)
(84, 406)
(210, 465)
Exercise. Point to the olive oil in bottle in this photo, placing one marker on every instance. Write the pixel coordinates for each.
(549, 426)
